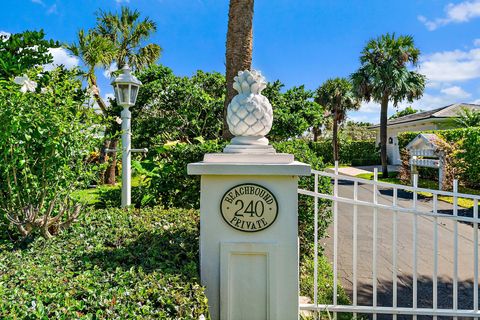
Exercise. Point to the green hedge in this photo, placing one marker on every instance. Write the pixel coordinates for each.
(354, 153)
(469, 139)
(112, 264)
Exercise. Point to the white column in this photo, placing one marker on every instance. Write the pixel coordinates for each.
(126, 157)
(249, 266)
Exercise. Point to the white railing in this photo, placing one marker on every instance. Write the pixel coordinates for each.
(395, 208)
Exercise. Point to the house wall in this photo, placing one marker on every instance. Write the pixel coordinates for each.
(393, 151)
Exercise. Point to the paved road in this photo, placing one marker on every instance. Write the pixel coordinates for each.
(405, 252)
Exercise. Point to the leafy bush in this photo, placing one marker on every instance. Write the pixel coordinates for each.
(115, 264)
(355, 153)
(170, 107)
(294, 111)
(468, 140)
(45, 141)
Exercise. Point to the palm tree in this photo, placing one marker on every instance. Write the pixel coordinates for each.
(384, 76)
(239, 48)
(95, 51)
(467, 118)
(337, 97)
(127, 33)
(116, 39)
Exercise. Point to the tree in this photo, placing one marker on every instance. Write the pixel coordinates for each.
(336, 96)
(117, 39)
(128, 33)
(239, 44)
(95, 51)
(357, 131)
(294, 111)
(45, 142)
(20, 52)
(405, 112)
(468, 117)
(384, 76)
(171, 108)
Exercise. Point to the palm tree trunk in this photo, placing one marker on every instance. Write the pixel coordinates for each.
(383, 135)
(103, 158)
(316, 133)
(335, 137)
(239, 49)
(112, 167)
(96, 93)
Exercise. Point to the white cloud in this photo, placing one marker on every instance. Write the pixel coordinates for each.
(455, 91)
(451, 66)
(52, 9)
(61, 57)
(370, 107)
(476, 42)
(108, 72)
(370, 112)
(122, 1)
(454, 13)
(38, 2)
(5, 34)
(364, 117)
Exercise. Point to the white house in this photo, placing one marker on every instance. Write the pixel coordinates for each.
(437, 119)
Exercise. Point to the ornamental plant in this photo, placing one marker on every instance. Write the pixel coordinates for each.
(45, 138)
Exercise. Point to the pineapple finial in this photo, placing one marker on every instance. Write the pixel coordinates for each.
(249, 114)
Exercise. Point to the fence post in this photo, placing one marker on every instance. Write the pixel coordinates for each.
(248, 217)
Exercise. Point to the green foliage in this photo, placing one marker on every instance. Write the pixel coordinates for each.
(469, 142)
(303, 153)
(20, 52)
(171, 108)
(384, 76)
(45, 141)
(355, 153)
(165, 175)
(177, 108)
(405, 112)
(384, 72)
(337, 97)
(114, 264)
(356, 131)
(128, 33)
(468, 118)
(294, 111)
(94, 50)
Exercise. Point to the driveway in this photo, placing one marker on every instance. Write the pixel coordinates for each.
(405, 233)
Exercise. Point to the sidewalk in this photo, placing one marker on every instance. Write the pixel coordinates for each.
(354, 171)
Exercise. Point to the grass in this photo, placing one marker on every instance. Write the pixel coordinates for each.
(325, 285)
(91, 196)
(428, 184)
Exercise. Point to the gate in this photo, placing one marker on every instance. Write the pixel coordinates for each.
(404, 253)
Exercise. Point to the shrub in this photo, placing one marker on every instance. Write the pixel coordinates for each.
(115, 264)
(468, 140)
(355, 153)
(45, 141)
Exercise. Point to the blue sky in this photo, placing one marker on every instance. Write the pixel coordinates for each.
(298, 42)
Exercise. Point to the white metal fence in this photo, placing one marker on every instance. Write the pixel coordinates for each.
(372, 207)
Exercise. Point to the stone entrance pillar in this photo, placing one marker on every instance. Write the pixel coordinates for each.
(249, 223)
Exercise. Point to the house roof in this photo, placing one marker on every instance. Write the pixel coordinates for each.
(440, 113)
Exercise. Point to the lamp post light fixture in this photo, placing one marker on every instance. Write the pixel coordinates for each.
(126, 88)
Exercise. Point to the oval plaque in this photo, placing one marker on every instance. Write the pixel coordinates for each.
(249, 207)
